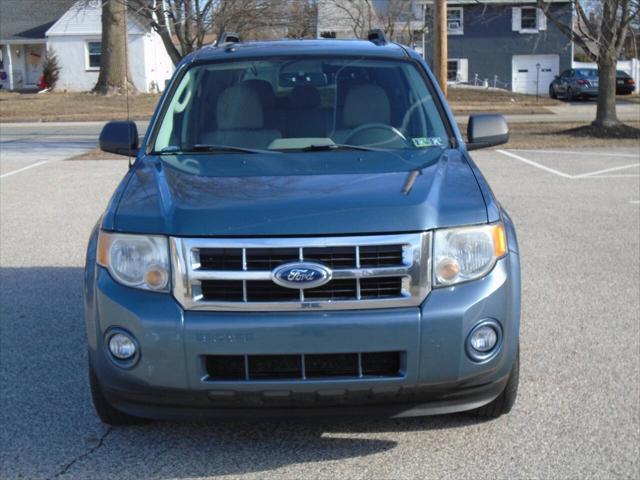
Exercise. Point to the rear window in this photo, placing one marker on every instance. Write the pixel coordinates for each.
(587, 72)
(289, 104)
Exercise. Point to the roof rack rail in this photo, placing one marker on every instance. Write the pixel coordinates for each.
(228, 37)
(377, 36)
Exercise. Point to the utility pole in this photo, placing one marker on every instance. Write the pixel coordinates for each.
(440, 39)
(424, 31)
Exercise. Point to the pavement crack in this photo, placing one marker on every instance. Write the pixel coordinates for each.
(84, 455)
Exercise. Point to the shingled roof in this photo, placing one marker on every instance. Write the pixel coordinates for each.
(29, 19)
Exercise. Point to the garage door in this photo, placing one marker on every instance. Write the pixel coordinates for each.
(534, 73)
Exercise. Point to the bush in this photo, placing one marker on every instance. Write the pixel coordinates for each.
(50, 69)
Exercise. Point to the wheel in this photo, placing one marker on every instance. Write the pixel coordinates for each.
(552, 92)
(570, 95)
(505, 401)
(106, 412)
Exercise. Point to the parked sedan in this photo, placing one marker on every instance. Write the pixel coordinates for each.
(625, 85)
(575, 83)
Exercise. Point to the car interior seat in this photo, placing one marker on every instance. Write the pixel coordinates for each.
(240, 120)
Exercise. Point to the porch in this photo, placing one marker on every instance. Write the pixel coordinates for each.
(21, 64)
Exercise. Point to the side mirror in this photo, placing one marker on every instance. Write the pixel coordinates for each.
(120, 138)
(556, 77)
(486, 130)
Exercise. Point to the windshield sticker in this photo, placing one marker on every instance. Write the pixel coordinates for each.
(423, 142)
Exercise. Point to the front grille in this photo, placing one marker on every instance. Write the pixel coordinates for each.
(301, 367)
(381, 271)
(267, 291)
(380, 255)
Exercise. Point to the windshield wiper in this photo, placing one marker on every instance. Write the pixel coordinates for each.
(339, 146)
(213, 148)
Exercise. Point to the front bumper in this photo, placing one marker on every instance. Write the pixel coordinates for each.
(170, 378)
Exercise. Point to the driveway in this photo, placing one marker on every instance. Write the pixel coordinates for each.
(578, 410)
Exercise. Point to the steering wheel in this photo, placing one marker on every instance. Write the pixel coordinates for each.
(370, 134)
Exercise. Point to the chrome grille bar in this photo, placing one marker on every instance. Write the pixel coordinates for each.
(414, 272)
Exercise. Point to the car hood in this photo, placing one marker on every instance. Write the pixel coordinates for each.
(323, 193)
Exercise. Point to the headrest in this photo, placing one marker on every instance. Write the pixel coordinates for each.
(239, 108)
(366, 104)
(304, 96)
(264, 89)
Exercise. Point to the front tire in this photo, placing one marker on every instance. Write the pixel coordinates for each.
(507, 399)
(552, 92)
(106, 412)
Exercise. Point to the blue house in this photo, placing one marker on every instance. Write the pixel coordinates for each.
(507, 43)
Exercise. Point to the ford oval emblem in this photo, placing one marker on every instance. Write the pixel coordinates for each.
(301, 275)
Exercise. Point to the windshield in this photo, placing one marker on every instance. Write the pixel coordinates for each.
(301, 105)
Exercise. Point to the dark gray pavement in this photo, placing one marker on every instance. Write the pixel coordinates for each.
(578, 411)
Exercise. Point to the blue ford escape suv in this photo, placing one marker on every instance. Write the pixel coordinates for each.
(302, 232)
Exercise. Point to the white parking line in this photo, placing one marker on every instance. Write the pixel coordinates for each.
(535, 164)
(13, 172)
(595, 174)
(592, 154)
(606, 170)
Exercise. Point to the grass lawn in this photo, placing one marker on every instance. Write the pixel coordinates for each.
(61, 107)
(523, 135)
(57, 107)
(569, 135)
(468, 100)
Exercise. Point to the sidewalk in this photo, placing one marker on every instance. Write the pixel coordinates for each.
(569, 113)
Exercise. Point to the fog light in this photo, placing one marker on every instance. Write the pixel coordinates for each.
(483, 339)
(121, 346)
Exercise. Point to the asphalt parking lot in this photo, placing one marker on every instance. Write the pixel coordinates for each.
(578, 411)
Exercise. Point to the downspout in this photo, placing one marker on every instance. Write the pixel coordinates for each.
(10, 65)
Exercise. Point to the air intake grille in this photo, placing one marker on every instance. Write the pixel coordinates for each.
(236, 274)
(301, 367)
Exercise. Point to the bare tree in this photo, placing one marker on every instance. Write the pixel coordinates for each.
(114, 77)
(181, 24)
(357, 15)
(302, 16)
(601, 35)
(394, 15)
(187, 25)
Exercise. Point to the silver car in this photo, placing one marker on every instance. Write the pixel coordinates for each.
(575, 83)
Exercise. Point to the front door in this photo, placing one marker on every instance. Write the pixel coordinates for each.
(34, 57)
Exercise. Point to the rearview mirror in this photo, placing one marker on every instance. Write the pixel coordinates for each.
(486, 130)
(120, 138)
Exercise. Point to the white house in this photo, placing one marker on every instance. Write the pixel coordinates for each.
(73, 30)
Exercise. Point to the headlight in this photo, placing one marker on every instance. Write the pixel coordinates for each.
(467, 253)
(140, 261)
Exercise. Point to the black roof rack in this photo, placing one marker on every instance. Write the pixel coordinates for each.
(377, 36)
(228, 37)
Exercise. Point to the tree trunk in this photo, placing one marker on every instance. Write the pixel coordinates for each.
(606, 114)
(115, 76)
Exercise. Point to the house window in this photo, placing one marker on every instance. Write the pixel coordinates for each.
(452, 70)
(528, 19)
(455, 24)
(94, 51)
(457, 70)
